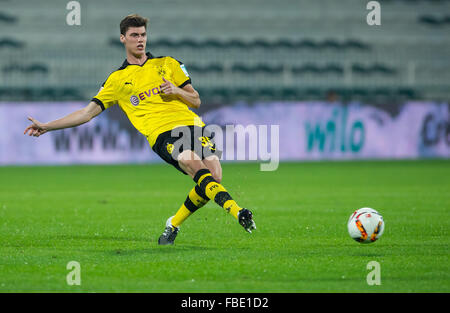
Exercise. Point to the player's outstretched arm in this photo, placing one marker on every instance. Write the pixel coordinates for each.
(73, 119)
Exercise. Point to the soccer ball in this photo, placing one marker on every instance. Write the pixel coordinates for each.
(365, 225)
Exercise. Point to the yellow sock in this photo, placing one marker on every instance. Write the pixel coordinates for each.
(182, 214)
(192, 203)
(232, 207)
(213, 190)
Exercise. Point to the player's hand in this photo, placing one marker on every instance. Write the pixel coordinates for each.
(36, 128)
(168, 88)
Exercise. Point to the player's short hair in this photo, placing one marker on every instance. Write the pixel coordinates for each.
(133, 20)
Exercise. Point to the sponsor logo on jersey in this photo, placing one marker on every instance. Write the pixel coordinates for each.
(134, 100)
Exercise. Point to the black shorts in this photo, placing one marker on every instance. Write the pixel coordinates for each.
(171, 143)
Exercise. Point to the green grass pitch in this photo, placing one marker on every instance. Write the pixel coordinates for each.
(108, 219)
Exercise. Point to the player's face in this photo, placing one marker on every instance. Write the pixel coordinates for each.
(135, 40)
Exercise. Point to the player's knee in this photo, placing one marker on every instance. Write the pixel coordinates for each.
(190, 163)
(216, 172)
(192, 167)
(218, 178)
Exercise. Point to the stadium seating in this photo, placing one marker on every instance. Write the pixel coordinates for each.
(287, 49)
(435, 20)
(6, 18)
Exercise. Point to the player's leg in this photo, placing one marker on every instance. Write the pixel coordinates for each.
(190, 163)
(213, 164)
(196, 197)
(245, 217)
(193, 202)
(203, 177)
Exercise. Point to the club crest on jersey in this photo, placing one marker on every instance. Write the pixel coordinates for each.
(161, 71)
(169, 148)
(134, 100)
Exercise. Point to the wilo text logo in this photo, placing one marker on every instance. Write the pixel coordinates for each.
(335, 134)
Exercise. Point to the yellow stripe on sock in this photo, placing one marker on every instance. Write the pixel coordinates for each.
(203, 177)
(213, 188)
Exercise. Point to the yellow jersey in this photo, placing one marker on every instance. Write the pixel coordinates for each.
(136, 89)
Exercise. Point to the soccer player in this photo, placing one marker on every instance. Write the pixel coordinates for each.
(156, 93)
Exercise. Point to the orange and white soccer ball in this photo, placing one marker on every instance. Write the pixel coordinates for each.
(365, 225)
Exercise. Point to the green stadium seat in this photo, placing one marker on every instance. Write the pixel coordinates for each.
(37, 68)
(285, 43)
(241, 68)
(48, 93)
(356, 44)
(213, 43)
(383, 69)
(224, 93)
(314, 94)
(330, 43)
(384, 92)
(359, 92)
(163, 43)
(268, 93)
(307, 44)
(244, 93)
(360, 69)
(214, 68)
(268, 69)
(8, 18)
(289, 94)
(189, 43)
(261, 43)
(429, 20)
(407, 93)
(305, 69)
(236, 43)
(11, 43)
(115, 43)
(333, 69)
(70, 94)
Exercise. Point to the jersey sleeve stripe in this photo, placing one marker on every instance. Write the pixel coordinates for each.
(185, 83)
(99, 102)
